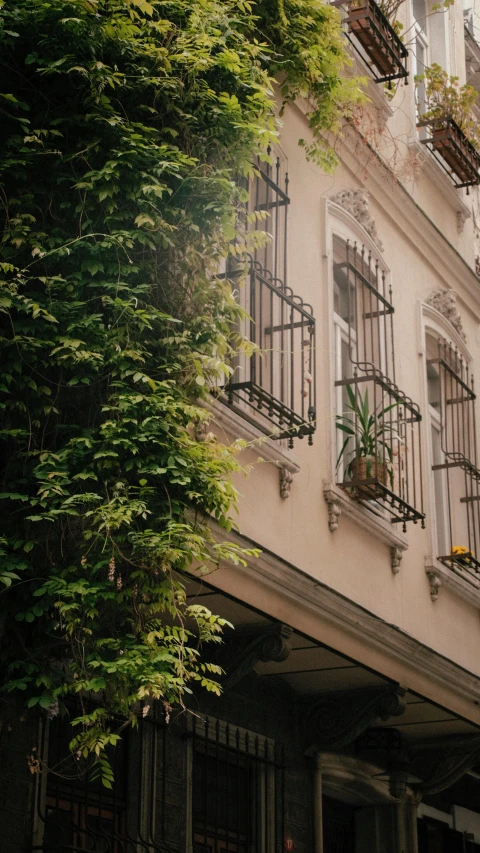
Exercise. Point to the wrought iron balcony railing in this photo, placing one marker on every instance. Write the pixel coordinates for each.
(266, 211)
(455, 405)
(278, 378)
(374, 39)
(453, 151)
(382, 460)
(378, 426)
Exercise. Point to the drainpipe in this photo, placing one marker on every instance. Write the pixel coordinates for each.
(317, 805)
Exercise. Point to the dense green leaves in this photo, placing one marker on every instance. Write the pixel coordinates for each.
(124, 125)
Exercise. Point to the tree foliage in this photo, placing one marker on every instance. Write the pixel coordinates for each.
(124, 124)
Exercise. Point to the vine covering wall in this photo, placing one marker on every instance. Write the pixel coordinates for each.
(124, 124)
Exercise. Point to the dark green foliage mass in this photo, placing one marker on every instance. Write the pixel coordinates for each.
(123, 125)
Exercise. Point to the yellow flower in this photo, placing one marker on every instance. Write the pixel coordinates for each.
(462, 551)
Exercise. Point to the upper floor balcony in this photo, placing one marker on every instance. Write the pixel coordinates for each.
(273, 377)
(374, 39)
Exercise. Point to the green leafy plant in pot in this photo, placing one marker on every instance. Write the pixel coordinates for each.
(372, 437)
(446, 99)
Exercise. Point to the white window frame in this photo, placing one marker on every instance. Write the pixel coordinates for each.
(337, 221)
(431, 322)
(342, 335)
(439, 525)
(341, 224)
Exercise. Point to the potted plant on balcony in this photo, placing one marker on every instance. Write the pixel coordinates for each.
(377, 31)
(372, 436)
(455, 133)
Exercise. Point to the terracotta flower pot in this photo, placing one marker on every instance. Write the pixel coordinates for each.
(369, 468)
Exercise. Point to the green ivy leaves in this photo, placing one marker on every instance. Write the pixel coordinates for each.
(124, 128)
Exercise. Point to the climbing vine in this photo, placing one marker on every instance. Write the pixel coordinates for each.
(124, 124)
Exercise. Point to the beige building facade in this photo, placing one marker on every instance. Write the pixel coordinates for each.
(349, 720)
(376, 566)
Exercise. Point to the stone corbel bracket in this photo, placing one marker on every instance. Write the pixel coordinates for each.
(334, 720)
(457, 580)
(356, 202)
(443, 761)
(338, 503)
(255, 644)
(286, 480)
(334, 508)
(434, 581)
(230, 420)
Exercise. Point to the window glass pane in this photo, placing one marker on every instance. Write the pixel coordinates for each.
(419, 12)
(439, 485)
(433, 384)
(338, 826)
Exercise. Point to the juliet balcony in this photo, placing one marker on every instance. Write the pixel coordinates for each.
(374, 39)
(273, 382)
(453, 151)
(379, 454)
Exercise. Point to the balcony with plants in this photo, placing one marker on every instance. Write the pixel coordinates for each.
(455, 469)
(373, 32)
(452, 133)
(378, 437)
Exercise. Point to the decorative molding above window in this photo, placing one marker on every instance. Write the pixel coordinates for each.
(356, 202)
(340, 503)
(436, 322)
(445, 302)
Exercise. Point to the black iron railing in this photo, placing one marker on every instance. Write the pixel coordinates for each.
(374, 39)
(278, 378)
(76, 813)
(275, 374)
(266, 212)
(238, 790)
(363, 300)
(379, 441)
(455, 402)
(453, 151)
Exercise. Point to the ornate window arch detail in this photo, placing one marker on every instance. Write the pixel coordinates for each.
(445, 302)
(356, 203)
(377, 438)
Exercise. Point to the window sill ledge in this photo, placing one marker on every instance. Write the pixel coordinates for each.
(339, 503)
(232, 420)
(461, 583)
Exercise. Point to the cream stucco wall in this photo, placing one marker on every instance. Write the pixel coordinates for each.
(424, 250)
